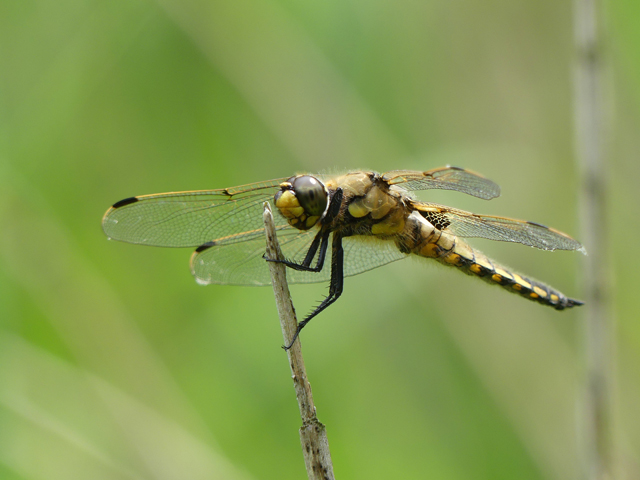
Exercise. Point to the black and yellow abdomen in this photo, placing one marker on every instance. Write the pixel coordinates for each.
(453, 251)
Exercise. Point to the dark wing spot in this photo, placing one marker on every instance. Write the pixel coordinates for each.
(124, 202)
(538, 225)
(436, 219)
(204, 246)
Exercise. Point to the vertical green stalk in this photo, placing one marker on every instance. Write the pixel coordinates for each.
(590, 108)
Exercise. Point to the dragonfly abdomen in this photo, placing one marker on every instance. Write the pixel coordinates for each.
(453, 251)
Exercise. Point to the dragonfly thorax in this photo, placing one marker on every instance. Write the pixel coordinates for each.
(302, 200)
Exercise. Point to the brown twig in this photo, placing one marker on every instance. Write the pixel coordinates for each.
(313, 435)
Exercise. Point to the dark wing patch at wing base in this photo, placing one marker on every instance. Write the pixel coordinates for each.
(436, 219)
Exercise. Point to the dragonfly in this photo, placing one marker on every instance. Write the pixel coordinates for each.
(365, 218)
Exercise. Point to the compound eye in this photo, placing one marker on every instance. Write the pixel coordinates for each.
(311, 194)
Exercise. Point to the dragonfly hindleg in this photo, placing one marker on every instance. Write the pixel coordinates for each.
(335, 287)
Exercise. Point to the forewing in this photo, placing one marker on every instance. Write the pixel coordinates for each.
(242, 263)
(466, 224)
(445, 178)
(190, 219)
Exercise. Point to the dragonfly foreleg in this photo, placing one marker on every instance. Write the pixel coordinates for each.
(335, 287)
(321, 239)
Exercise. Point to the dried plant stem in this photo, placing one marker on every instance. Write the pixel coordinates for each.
(313, 435)
(590, 133)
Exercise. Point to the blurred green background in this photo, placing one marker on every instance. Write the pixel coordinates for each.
(114, 364)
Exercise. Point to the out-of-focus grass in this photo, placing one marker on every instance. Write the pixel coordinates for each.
(115, 364)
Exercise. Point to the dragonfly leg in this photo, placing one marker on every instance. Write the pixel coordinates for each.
(321, 240)
(335, 287)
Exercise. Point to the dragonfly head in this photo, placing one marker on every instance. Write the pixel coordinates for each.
(302, 200)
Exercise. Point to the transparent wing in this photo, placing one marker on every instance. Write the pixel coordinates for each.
(466, 224)
(445, 178)
(227, 262)
(242, 263)
(190, 219)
